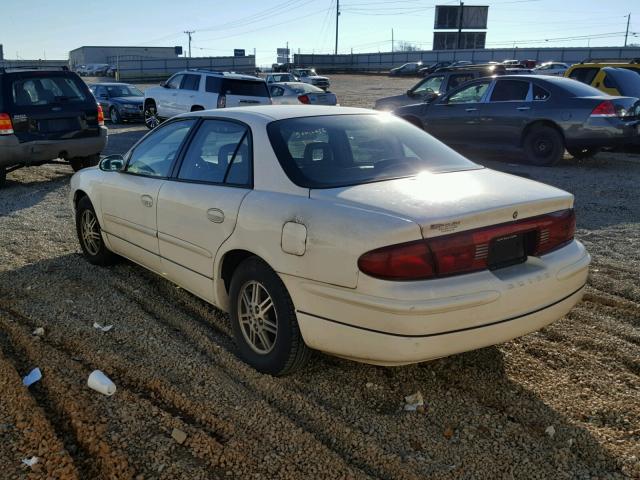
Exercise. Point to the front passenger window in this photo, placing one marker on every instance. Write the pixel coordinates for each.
(155, 155)
(174, 82)
(471, 94)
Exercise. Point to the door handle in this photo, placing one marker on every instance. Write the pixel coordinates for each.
(215, 215)
(146, 200)
(522, 109)
(470, 109)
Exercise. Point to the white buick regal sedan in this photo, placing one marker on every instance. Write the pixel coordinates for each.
(343, 230)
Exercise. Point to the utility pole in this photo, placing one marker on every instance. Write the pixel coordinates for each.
(392, 44)
(189, 33)
(337, 16)
(627, 32)
(460, 25)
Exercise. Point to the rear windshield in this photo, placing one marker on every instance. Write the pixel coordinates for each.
(339, 150)
(306, 88)
(247, 88)
(44, 90)
(626, 81)
(579, 89)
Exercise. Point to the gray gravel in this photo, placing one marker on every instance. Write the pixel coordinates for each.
(487, 412)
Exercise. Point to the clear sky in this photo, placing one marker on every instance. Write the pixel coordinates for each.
(46, 28)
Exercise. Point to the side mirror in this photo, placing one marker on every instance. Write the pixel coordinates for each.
(410, 93)
(430, 97)
(112, 163)
(163, 84)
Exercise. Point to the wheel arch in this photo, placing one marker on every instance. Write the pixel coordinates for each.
(197, 108)
(77, 196)
(537, 123)
(413, 120)
(226, 267)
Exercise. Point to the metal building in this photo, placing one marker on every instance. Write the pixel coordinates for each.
(101, 54)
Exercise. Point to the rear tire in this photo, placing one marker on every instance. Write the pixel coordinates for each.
(151, 119)
(3, 176)
(581, 153)
(543, 146)
(79, 163)
(90, 235)
(268, 337)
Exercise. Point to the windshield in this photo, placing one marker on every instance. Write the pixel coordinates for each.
(41, 90)
(306, 73)
(124, 91)
(339, 150)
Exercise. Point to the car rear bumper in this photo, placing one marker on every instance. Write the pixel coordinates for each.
(12, 152)
(604, 132)
(416, 321)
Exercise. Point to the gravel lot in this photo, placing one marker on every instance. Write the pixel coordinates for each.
(487, 413)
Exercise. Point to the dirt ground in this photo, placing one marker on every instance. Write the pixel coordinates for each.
(488, 413)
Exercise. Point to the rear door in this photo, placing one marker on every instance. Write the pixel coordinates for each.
(50, 106)
(242, 93)
(198, 209)
(506, 112)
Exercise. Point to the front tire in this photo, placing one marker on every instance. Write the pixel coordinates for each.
(90, 235)
(114, 115)
(543, 146)
(151, 119)
(264, 320)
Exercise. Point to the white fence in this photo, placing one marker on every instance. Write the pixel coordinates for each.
(161, 68)
(381, 62)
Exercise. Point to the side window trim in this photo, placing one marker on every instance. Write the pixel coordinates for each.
(178, 156)
(233, 158)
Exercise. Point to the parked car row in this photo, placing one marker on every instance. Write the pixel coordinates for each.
(421, 70)
(96, 70)
(542, 115)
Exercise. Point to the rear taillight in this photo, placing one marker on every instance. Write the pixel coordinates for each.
(407, 261)
(100, 115)
(304, 99)
(6, 127)
(222, 101)
(604, 109)
(466, 252)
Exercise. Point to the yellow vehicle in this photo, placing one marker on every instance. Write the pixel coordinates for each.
(596, 74)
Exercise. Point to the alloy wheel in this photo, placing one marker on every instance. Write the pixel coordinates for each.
(258, 317)
(90, 232)
(151, 117)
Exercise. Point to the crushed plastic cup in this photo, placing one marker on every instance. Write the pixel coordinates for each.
(106, 328)
(30, 462)
(99, 382)
(33, 377)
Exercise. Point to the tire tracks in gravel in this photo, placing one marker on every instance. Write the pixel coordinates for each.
(202, 442)
(351, 445)
(40, 436)
(61, 399)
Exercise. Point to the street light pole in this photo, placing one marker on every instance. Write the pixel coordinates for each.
(337, 17)
(627, 32)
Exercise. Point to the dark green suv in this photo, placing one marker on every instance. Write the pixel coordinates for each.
(47, 115)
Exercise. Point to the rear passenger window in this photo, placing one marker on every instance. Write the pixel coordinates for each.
(539, 93)
(213, 84)
(510, 91)
(191, 82)
(277, 91)
(218, 151)
(245, 88)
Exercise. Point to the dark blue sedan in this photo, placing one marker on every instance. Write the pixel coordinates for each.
(120, 101)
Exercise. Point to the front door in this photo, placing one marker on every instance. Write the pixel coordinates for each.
(166, 104)
(129, 198)
(198, 210)
(454, 118)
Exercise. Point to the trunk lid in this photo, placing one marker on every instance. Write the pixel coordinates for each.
(50, 106)
(445, 203)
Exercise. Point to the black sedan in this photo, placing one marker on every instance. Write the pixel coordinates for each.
(542, 115)
(119, 101)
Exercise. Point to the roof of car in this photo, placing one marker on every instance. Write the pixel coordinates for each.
(268, 113)
(108, 84)
(216, 73)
